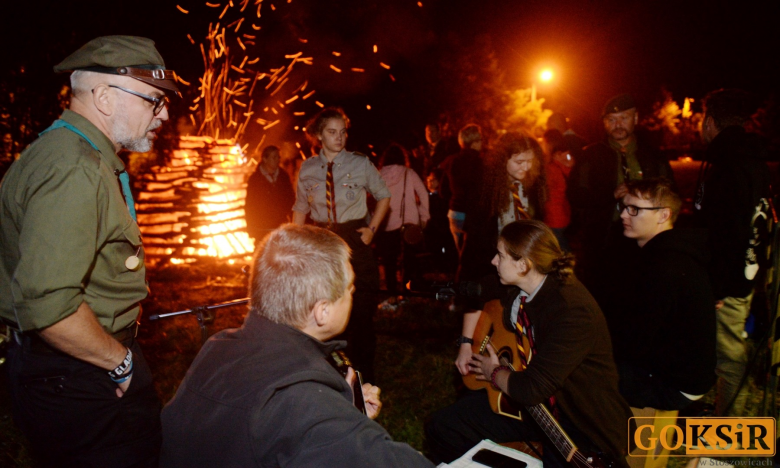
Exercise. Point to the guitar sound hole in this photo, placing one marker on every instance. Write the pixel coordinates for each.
(505, 356)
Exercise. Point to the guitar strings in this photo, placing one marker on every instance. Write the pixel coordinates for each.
(561, 439)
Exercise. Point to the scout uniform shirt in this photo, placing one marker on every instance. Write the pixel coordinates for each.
(66, 232)
(353, 175)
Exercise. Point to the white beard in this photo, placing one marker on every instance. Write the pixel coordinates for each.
(122, 135)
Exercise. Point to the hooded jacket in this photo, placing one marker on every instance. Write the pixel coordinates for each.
(264, 395)
(668, 326)
(732, 203)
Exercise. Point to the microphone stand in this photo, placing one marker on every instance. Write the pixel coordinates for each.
(204, 314)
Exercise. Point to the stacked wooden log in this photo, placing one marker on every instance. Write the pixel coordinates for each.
(193, 206)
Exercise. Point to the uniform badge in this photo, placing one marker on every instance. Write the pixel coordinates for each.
(350, 195)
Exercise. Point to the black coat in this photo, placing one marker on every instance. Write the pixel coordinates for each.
(573, 362)
(592, 184)
(667, 323)
(735, 183)
(268, 205)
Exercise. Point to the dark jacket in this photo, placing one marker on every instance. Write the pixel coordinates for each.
(268, 205)
(733, 188)
(460, 181)
(592, 184)
(573, 362)
(668, 324)
(264, 395)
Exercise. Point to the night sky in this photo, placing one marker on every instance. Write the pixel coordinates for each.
(597, 49)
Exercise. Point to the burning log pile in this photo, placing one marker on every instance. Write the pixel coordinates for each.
(194, 205)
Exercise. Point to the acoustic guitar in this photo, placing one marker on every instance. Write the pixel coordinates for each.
(490, 329)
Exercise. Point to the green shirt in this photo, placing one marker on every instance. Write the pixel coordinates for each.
(634, 169)
(66, 232)
(353, 176)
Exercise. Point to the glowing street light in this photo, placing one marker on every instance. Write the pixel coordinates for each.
(545, 76)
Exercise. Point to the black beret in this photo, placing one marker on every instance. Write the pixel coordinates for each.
(618, 103)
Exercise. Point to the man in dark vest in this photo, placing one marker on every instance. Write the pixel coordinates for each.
(597, 183)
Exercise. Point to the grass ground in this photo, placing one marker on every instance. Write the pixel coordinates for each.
(414, 359)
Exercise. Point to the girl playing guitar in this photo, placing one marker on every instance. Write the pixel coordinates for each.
(562, 342)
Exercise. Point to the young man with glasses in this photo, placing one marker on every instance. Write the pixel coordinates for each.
(72, 271)
(664, 338)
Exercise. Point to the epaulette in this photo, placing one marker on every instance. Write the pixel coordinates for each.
(358, 153)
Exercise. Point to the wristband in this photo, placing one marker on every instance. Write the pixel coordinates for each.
(373, 229)
(463, 340)
(125, 377)
(495, 373)
(125, 367)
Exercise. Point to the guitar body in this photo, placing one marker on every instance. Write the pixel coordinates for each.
(490, 329)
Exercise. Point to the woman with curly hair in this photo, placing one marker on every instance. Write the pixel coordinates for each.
(568, 359)
(513, 188)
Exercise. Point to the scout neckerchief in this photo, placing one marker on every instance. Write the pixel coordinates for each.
(525, 345)
(124, 179)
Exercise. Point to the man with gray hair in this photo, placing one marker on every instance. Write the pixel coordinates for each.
(265, 394)
(72, 270)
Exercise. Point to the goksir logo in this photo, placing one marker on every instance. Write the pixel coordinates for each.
(741, 437)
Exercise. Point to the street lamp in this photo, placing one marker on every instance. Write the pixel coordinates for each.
(545, 76)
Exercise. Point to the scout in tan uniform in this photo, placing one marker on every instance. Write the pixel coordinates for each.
(332, 191)
(71, 265)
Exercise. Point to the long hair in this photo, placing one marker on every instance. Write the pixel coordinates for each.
(534, 241)
(495, 195)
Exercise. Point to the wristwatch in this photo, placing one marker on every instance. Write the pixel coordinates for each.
(462, 339)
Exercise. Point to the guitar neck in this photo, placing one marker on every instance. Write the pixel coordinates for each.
(553, 430)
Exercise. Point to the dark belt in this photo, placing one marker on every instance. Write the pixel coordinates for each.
(335, 227)
(39, 346)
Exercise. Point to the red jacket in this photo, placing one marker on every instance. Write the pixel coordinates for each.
(557, 212)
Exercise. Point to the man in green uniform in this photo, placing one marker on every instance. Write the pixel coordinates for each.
(72, 265)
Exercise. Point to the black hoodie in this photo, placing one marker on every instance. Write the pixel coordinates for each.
(669, 323)
(733, 185)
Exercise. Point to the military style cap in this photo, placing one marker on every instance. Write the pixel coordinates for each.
(131, 56)
(618, 103)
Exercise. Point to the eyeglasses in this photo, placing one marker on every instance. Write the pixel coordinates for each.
(633, 210)
(157, 102)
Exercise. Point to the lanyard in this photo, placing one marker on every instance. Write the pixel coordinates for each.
(124, 178)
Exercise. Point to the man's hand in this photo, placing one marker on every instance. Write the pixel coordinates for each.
(366, 235)
(464, 358)
(370, 394)
(718, 304)
(371, 397)
(122, 388)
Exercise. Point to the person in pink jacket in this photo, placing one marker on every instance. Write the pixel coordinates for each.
(408, 205)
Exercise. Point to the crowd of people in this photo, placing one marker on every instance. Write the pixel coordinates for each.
(611, 306)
